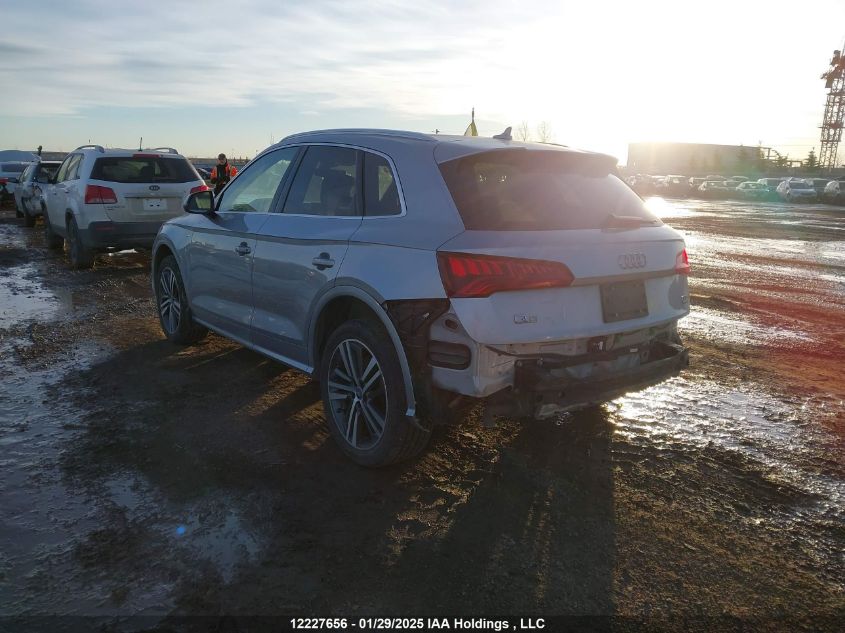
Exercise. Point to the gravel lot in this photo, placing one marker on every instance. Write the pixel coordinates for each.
(140, 479)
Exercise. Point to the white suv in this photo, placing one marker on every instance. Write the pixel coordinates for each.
(102, 199)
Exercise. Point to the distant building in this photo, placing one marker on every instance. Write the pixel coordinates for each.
(693, 159)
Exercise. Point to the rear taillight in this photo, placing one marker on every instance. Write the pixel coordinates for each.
(3, 181)
(95, 194)
(468, 275)
(682, 263)
(200, 188)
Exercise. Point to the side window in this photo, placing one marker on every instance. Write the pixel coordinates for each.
(73, 170)
(326, 183)
(252, 190)
(381, 194)
(69, 168)
(62, 175)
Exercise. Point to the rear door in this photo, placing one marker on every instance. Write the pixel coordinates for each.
(149, 187)
(65, 186)
(300, 250)
(563, 209)
(222, 249)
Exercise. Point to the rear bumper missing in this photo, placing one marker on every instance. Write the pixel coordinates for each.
(107, 234)
(543, 388)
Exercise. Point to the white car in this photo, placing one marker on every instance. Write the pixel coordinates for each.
(115, 198)
(797, 190)
(29, 192)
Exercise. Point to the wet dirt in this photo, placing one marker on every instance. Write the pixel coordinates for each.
(141, 479)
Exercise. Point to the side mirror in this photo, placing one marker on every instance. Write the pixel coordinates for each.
(200, 202)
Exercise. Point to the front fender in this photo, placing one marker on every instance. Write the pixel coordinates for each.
(175, 240)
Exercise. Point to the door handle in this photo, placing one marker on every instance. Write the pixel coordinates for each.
(323, 261)
(243, 249)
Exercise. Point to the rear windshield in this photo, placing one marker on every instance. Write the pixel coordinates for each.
(14, 168)
(521, 190)
(143, 169)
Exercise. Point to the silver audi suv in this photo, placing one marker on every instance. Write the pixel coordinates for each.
(412, 273)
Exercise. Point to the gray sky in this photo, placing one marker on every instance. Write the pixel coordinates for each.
(230, 76)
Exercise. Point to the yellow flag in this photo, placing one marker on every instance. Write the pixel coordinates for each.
(471, 129)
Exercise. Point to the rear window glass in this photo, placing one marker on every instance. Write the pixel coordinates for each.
(143, 169)
(14, 168)
(522, 190)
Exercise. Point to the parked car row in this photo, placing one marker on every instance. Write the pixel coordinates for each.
(739, 187)
(408, 273)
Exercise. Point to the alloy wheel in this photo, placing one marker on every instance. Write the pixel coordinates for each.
(169, 304)
(357, 393)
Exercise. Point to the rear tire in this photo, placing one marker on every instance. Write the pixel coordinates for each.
(81, 256)
(28, 220)
(54, 241)
(363, 394)
(174, 311)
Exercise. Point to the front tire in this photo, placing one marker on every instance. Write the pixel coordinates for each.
(81, 256)
(54, 241)
(174, 312)
(363, 394)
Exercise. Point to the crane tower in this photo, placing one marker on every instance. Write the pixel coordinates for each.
(834, 111)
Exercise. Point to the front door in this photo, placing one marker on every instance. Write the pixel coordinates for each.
(222, 248)
(300, 250)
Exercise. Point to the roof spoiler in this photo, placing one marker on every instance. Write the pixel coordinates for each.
(169, 150)
(99, 148)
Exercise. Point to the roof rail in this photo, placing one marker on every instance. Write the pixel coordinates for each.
(169, 150)
(99, 148)
(373, 131)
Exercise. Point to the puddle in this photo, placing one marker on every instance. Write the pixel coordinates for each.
(784, 438)
(24, 299)
(224, 541)
(718, 326)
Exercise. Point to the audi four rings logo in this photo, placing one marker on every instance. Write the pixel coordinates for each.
(154, 187)
(632, 260)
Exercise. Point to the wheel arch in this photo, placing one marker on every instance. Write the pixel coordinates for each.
(342, 303)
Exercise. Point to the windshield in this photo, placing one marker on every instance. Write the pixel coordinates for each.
(539, 190)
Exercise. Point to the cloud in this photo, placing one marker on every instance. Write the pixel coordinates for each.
(401, 56)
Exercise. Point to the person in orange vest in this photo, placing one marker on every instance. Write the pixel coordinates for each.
(222, 173)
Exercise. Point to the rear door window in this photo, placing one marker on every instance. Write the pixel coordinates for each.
(533, 190)
(68, 169)
(73, 168)
(143, 169)
(326, 183)
(381, 191)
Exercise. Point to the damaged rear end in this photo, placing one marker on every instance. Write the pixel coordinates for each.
(564, 291)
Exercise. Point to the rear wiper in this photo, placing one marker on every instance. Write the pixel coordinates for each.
(616, 221)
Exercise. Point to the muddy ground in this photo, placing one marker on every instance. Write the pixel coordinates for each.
(142, 479)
